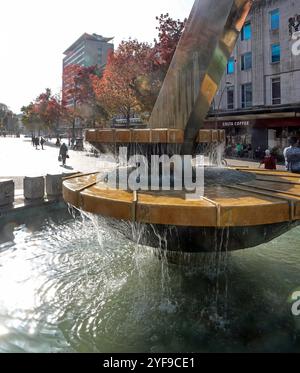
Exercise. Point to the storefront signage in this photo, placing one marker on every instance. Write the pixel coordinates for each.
(242, 123)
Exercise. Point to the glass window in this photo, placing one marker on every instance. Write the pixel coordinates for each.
(275, 53)
(100, 56)
(246, 31)
(231, 66)
(275, 19)
(276, 91)
(247, 95)
(230, 98)
(247, 61)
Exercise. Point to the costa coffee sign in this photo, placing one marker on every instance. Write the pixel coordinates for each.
(242, 123)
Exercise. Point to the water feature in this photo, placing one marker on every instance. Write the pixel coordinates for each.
(78, 285)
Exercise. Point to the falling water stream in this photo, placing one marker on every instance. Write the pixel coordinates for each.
(76, 284)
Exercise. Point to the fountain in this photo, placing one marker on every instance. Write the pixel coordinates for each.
(241, 207)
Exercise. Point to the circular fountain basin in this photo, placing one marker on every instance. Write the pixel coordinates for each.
(150, 136)
(253, 205)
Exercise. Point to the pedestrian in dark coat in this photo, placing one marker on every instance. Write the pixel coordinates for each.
(42, 142)
(37, 142)
(63, 153)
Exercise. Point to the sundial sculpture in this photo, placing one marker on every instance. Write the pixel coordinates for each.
(241, 208)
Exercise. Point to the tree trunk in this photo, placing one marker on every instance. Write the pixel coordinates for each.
(128, 119)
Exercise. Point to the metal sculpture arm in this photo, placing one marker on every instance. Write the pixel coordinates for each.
(198, 65)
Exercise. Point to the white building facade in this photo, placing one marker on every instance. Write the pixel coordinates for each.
(258, 102)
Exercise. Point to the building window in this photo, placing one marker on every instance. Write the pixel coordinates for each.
(275, 53)
(230, 98)
(247, 61)
(274, 20)
(247, 95)
(246, 33)
(100, 56)
(276, 91)
(231, 66)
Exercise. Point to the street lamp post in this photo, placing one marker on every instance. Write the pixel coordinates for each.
(74, 110)
(74, 122)
(227, 84)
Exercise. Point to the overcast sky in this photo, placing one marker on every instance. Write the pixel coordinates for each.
(34, 34)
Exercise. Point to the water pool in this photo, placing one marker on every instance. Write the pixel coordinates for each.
(75, 284)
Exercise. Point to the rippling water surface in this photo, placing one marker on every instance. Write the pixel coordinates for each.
(77, 285)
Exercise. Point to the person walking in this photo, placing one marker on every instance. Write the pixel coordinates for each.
(37, 143)
(42, 142)
(269, 161)
(293, 156)
(63, 153)
(239, 150)
(292, 142)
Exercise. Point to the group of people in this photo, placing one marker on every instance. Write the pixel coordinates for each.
(291, 156)
(239, 150)
(63, 149)
(36, 141)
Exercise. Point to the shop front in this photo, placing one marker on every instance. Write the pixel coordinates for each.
(250, 138)
(240, 138)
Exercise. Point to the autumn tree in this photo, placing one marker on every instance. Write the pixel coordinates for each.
(49, 109)
(8, 120)
(3, 114)
(115, 91)
(30, 118)
(44, 113)
(169, 34)
(86, 106)
(148, 84)
(135, 72)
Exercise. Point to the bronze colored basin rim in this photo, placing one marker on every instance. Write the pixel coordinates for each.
(266, 200)
(150, 136)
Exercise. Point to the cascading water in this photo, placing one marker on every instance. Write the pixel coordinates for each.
(212, 265)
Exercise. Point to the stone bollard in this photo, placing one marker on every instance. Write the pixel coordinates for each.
(34, 188)
(7, 192)
(54, 186)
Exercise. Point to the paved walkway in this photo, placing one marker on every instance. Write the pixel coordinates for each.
(18, 158)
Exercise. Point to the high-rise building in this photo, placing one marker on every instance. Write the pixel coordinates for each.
(88, 50)
(258, 101)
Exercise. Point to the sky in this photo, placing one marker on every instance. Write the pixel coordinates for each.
(35, 33)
